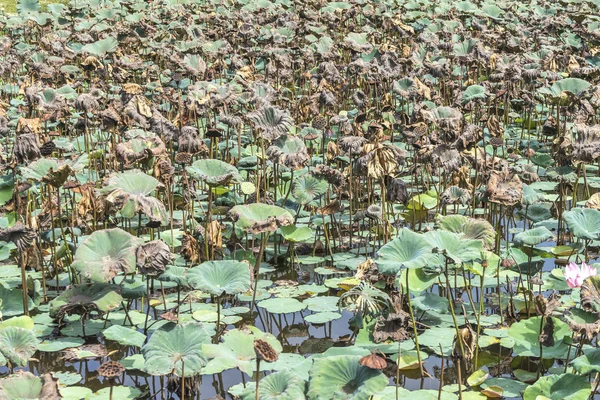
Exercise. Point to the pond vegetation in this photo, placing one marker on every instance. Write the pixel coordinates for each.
(289, 199)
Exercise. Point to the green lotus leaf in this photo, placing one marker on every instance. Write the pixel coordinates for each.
(512, 387)
(404, 87)
(533, 237)
(176, 349)
(536, 212)
(75, 392)
(237, 350)
(52, 171)
(367, 301)
(524, 264)
(587, 363)
(259, 217)
(526, 336)
(25, 7)
(17, 345)
(531, 196)
(58, 344)
(67, 378)
(125, 336)
(7, 185)
(294, 234)
(86, 297)
(135, 361)
(322, 303)
(220, 277)
(418, 279)
(175, 274)
(564, 173)
(431, 302)
(468, 228)
(457, 248)
(438, 336)
(214, 172)
(492, 11)
(118, 392)
(282, 385)
(101, 47)
(282, 305)
(23, 321)
(407, 250)
(477, 377)
(446, 117)
(11, 302)
(22, 385)
(474, 92)
(273, 121)
(322, 317)
(105, 254)
(194, 64)
(561, 91)
(559, 387)
(342, 377)
(323, 45)
(129, 192)
(289, 151)
(584, 223)
(307, 189)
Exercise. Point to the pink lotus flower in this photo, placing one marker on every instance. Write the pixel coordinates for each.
(575, 275)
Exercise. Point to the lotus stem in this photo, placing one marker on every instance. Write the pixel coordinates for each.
(263, 243)
(256, 393)
(182, 379)
(414, 325)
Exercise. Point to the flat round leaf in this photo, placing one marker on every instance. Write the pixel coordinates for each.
(125, 336)
(282, 305)
(559, 387)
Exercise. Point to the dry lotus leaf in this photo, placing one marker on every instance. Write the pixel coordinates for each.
(363, 269)
(332, 151)
(29, 125)
(468, 338)
(19, 234)
(589, 330)
(493, 392)
(393, 327)
(330, 208)
(546, 337)
(246, 72)
(152, 257)
(422, 89)
(590, 294)
(143, 106)
(373, 361)
(214, 234)
(58, 177)
(189, 248)
(504, 188)
(133, 89)
(85, 352)
(139, 149)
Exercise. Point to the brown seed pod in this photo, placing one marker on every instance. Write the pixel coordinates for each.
(183, 158)
(47, 148)
(373, 361)
(264, 351)
(111, 369)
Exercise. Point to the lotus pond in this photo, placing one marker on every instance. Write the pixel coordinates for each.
(289, 199)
